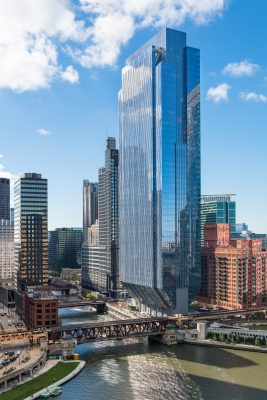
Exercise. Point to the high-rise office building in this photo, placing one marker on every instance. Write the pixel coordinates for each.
(4, 199)
(217, 209)
(159, 201)
(12, 215)
(6, 250)
(90, 206)
(64, 248)
(31, 230)
(100, 255)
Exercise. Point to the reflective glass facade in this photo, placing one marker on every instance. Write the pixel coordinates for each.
(100, 270)
(159, 191)
(4, 199)
(64, 248)
(90, 206)
(218, 209)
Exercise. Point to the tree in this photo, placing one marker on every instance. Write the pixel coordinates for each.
(209, 335)
(225, 337)
(257, 342)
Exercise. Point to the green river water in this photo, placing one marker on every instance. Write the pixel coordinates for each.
(138, 370)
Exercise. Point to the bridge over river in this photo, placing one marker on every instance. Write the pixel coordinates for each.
(110, 330)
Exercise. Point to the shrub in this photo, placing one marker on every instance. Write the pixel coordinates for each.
(257, 342)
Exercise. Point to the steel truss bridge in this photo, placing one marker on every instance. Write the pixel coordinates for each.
(223, 314)
(112, 330)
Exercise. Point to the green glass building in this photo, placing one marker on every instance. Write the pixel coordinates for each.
(217, 209)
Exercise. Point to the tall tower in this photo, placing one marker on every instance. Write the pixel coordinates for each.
(6, 250)
(31, 230)
(90, 206)
(4, 199)
(100, 256)
(159, 190)
(109, 223)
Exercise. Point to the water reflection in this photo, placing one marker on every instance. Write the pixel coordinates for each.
(138, 370)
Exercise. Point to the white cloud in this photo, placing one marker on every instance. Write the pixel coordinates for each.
(252, 96)
(242, 68)
(218, 93)
(1, 156)
(114, 23)
(70, 75)
(30, 37)
(43, 132)
(7, 174)
(34, 34)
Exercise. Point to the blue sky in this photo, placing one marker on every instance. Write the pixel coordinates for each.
(60, 74)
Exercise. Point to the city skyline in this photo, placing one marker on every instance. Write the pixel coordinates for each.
(81, 116)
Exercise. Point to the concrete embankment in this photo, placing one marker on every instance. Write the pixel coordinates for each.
(226, 345)
(61, 381)
(118, 313)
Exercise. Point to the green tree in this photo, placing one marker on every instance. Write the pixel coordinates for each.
(209, 335)
(257, 342)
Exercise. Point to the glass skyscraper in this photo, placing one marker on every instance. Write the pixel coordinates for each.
(4, 199)
(90, 206)
(159, 190)
(100, 270)
(217, 209)
(64, 248)
(31, 230)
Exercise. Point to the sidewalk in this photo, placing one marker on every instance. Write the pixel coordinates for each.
(236, 346)
(61, 381)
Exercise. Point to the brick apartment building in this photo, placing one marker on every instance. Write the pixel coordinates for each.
(233, 271)
(40, 310)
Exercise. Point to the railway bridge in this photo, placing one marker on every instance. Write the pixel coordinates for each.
(113, 330)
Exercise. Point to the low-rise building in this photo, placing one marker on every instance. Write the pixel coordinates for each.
(7, 293)
(40, 310)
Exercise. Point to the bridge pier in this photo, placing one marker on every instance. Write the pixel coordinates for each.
(101, 308)
(169, 337)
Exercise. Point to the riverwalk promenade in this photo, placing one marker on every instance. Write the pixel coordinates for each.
(76, 371)
(234, 346)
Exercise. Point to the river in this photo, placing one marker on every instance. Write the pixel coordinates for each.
(138, 370)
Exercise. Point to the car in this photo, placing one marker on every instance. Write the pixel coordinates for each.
(13, 358)
(18, 353)
(7, 362)
(11, 353)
